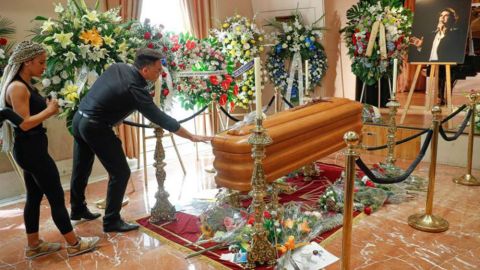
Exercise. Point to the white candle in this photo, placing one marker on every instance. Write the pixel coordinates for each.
(307, 75)
(394, 80)
(258, 88)
(158, 92)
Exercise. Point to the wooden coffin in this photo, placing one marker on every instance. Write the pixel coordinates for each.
(300, 136)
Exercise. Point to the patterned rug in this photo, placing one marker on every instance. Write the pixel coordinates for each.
(182, 233)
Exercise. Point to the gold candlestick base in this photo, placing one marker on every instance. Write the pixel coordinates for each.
(428, 223)
(467, 180)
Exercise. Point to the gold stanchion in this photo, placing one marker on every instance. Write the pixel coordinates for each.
(351, 139)
(428, 222)
(393, 104)
(163, 210)
(261, 250)
(468, 179)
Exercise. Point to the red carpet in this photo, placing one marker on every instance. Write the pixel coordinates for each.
(185, 230)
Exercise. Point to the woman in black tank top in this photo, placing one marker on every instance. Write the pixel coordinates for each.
(30, 150)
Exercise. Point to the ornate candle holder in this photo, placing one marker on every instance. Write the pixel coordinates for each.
(261, 250)
(163, 210)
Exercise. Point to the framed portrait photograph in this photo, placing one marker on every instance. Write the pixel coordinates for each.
(440, 31)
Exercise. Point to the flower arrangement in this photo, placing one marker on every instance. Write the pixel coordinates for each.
(6, 30)
(372, 64)
(81, 44)
(203, 56)
(241, 40)
(153, 37)
(298, 43)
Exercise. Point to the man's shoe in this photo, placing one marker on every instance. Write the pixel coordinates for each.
(120, 226)
(86, 214)
(43, 248)
(85, 244)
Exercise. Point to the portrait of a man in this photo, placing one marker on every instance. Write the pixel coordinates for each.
(439, 31)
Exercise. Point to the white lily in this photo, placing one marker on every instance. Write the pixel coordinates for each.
(70, 57)
(63, 38)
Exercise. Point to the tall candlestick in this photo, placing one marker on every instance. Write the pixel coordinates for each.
(394, 80)
(258, 88)
(157, 89)
(307, 77)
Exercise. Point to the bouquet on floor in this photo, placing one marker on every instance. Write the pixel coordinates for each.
(368, 21)
(241, 40)
(81, 43)
(6, 30)
(152, 36)
(204, 73)
(296, 42)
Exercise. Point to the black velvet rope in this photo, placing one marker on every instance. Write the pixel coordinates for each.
(287, 102)
(228, 115)
(407, 173)
(454, 113)
(193, 115)
(130, 123)
(8, 114)
(135, 124)
(269, 104)
(374, 148)
(459, 131)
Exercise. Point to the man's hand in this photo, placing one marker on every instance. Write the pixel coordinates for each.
(200, 138)
(417, 42)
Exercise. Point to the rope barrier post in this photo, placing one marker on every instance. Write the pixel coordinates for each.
(393, 104)
(351, 139)
(163, 210)
(428, 222)
(468, 179)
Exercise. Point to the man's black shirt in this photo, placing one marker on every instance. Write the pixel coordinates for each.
(118, 92)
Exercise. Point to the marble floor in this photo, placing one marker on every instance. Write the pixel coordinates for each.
(382, 240)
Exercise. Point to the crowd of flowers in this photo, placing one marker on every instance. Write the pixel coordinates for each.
(81, 44)
(361, 18)
(6, 30)
(295, 37)
(241, 40)
(203, 56)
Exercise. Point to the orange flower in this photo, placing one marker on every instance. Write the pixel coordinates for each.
(92, 36)
(304, 227)
(288, 223)
(290, 244)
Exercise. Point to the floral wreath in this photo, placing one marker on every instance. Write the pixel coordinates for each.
(193, 55)
(241, 40)
(372, 64)
(153, 37)
(81, 44)
(296, 38)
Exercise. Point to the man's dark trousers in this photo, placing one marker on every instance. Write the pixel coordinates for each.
(97, 138)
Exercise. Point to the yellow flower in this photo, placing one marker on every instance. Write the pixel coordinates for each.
(252, 41)
(260, 38)
(123, 47)
(92, 36)
(63, 38)
(91, 16)
(238, 29)
(109, 40)
(244, 88)
(247, 53)
(225, 25)
(261, 48)
(232, 52)
(234, 42)
(250, 93)
(70, 92)
(226, 41)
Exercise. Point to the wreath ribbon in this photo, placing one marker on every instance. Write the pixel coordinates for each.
(296, 67)
(377, 27)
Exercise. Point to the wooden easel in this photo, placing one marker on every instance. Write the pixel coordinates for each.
(432, 87)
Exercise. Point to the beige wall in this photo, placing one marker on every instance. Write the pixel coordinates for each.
(339, 80)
